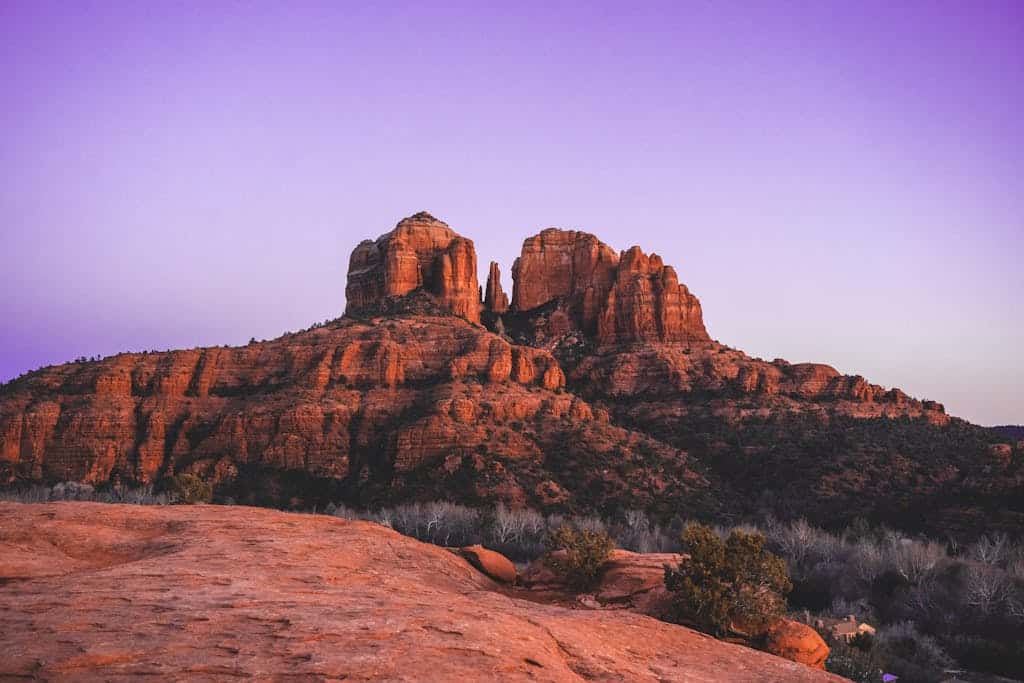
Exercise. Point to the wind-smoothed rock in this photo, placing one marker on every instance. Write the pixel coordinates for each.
(118, 593)
(491, 563)
(421, 253)
(798, 642)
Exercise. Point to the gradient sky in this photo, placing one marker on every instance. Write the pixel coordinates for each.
(837, 182)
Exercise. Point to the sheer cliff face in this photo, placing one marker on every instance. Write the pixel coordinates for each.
(421, 253)
(387, 408)
(632, 298)
(565, 265)
(618, 299)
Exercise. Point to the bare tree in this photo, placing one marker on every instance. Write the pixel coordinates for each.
(986, 589)
(867, 560)
(916, 560)
(990, 549)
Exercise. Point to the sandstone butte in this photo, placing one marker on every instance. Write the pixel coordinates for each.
(580, 390)
(110, 592)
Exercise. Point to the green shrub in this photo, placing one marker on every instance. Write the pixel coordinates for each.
(577, 555)
(863, 642)
(854, 663)
(725, 584)
(190, 489)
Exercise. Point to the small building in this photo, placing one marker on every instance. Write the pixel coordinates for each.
(848, 629)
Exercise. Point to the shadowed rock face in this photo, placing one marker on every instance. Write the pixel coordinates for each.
(109, 592)
(421, 253)
(564, 264)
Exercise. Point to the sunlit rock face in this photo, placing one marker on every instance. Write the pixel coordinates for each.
(617, 298)
(421, 253)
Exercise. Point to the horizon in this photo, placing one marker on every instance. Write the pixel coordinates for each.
(844, 189)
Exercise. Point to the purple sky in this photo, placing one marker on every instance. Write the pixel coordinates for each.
(837, 182)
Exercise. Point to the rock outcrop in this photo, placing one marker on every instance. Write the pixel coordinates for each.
(421, 253)
(798, 642)
(619, 299)
(111, 592)
(671, 372)
(566, 265)
(370, 409)
(634, 581)
(647, 303)
(495, 299)
(310, 401)
(491, 563)
(597, 388)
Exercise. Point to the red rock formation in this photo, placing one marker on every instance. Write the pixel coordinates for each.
(564, 264)
(636, 581)
(491, 563)
(628, 580)
(647, 303)
(113, 592)
(796, 641)
(495, 299)
(610, 382)
(673, 371)
(412, 403)
(619, 299)
(421, 253)
(287, 403)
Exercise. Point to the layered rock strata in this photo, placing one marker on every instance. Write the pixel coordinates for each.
(421, 253)
(617, 298)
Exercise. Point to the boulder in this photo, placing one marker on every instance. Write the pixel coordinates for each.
(634, 581)
(637, 580)
(797, 642)
(491, 563)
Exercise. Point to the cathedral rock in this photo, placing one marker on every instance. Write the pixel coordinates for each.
(597, 385)
(421, 253)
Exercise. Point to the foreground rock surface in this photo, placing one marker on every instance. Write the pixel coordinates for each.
(104, 592)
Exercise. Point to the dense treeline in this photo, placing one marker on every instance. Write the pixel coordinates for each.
(905, 473)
